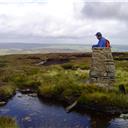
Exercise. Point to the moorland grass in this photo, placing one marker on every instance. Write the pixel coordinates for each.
(72, 88)
(7, 122)
(55, 81)
(105, 99)
(6, 92)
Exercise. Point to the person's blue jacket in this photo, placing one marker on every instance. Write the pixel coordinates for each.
(101, 43)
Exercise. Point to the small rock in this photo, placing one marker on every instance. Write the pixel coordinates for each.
(25, 91)
(32, 95)
(27, 118)
(124, 116)
(2, 103)
(19, 95)
(42, 62)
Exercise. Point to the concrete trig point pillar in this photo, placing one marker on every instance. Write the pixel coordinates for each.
(102, 71)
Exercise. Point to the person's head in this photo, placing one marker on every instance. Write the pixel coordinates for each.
(98, 35)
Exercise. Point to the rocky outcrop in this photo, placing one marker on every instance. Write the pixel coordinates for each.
(102, 71)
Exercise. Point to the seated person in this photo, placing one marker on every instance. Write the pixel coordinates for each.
(102, 43)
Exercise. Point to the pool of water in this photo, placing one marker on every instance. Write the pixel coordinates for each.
(31, 112)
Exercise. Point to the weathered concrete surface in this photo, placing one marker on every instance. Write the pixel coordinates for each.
(102, 69)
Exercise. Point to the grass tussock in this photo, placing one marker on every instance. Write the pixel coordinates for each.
(8, 122)
(6, 92)
(75, 65)
(104, 99)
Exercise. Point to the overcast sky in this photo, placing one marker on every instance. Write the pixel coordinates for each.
(63, 21)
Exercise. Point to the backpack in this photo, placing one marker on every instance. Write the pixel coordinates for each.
(107, 44)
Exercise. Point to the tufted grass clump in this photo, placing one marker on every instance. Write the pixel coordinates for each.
(121, 79)
(64, 85)
(104, 99)
(75, 66)
(8, 122)
(6, 92)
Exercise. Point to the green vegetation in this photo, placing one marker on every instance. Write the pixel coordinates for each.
(73, 87)
(65, 82)
(8, 122)
(81, 63)
(105, 99)
(6, 92)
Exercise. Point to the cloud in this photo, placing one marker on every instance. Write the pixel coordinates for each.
(54, 18)
(108, 10)
(69, 20)
(21, 1)
(110, 17)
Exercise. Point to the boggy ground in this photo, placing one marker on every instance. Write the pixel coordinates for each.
(62, 76)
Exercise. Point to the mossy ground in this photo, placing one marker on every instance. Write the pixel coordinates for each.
(66, 82)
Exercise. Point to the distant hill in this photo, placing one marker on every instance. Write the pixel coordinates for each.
(21, 48)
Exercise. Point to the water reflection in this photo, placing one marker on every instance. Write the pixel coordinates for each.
(118, 123)
(31, 112)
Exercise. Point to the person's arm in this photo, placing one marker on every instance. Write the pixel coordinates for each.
(95, 45)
